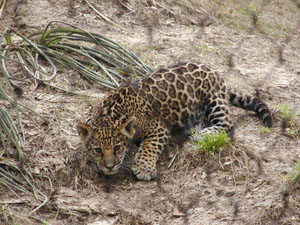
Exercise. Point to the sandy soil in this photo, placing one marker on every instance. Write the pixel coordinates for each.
(245, 184)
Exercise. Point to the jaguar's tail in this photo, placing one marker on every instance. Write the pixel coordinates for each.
(251, 103)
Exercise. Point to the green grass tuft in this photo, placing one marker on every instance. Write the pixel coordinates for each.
(290, 115)
(294, 176)
(264, 130)
(287, 112)
(212, 143)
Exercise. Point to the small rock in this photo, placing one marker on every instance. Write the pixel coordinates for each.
(203, 175)
(229, 193)
(103, 222)
(171, 155)
(189, 212)
(112, 213)
(177, 213)
(100, 223)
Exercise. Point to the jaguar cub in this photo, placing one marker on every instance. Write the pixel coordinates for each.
(150, 110)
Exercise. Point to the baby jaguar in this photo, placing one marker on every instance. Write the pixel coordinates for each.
(150, 110)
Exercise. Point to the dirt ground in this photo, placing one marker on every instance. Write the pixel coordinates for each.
(254, 44)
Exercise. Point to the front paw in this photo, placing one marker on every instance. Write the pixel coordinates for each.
(143, 172)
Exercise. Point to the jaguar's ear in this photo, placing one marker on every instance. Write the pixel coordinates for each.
(84, 131)
(127, 128)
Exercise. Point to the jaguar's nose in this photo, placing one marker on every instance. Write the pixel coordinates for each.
(109, 164)
(109, 160)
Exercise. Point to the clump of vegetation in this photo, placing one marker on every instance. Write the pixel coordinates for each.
(294, 175)
(289, 116)
(212, 143)
(264, 130)
(286, 110)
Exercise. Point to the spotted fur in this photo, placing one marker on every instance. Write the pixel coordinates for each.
(150, 110)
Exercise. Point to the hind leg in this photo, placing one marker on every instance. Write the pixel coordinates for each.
(218, 116)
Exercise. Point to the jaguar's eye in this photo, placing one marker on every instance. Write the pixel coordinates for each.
(99, 150)
(117, 148)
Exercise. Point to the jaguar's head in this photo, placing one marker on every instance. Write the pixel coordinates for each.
(108, 143)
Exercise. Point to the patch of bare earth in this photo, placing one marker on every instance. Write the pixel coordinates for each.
(255, 45)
